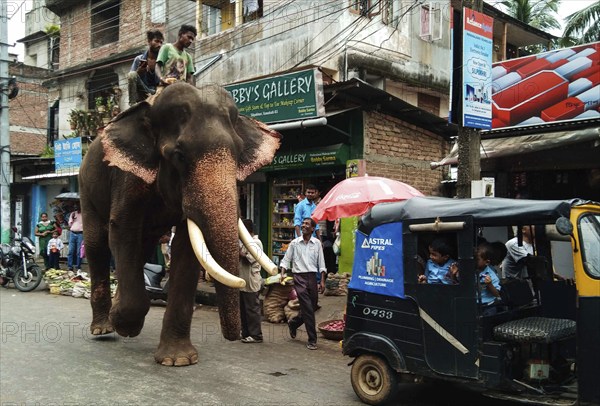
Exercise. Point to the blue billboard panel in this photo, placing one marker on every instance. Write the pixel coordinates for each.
(477, 69)
(378, 266)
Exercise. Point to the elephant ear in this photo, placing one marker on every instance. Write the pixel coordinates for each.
(260, 145)
(129, 143)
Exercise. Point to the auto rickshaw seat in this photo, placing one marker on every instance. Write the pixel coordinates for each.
(535, 330)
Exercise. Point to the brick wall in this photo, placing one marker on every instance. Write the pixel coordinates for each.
(29, 108)
(398, 150)
(76, 37)
(28, 112)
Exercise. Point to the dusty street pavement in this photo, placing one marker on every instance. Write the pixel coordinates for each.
(47, 357)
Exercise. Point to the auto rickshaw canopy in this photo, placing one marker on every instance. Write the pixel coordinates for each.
(490, 211)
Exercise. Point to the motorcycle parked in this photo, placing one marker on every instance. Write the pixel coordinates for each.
(153, 276)
(17, 264)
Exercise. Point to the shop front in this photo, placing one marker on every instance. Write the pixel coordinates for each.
(330, 132)
(288, 177)
(315, 147)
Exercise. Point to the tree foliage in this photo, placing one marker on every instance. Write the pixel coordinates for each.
(537, 13)
(582, 26)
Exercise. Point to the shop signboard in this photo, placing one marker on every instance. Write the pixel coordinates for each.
(477, 69)
(554, 86)
(67, 155)
(314, 158)
(378, 266)
(293, 96)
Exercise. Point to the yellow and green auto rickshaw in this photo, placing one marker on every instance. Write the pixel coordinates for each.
(539, 343)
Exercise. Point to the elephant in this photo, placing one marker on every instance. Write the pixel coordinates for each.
(173, 159)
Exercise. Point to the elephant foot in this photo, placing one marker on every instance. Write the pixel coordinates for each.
(126, 325)
(99, 328)
(176, 353)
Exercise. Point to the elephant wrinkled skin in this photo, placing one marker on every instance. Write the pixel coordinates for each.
(174, 157)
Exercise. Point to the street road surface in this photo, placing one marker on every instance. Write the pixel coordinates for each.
(47, 357)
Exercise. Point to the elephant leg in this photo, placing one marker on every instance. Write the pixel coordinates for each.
(175, 347)
(131, 303)
(98, 256)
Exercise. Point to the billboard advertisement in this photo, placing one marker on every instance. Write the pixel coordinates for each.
(559, 85)
(378, 266)
(477, 69)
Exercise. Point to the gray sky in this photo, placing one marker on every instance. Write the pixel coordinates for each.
(18, 8)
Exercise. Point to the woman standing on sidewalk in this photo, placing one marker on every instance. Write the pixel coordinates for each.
(43, 230)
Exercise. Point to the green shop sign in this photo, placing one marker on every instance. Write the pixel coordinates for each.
(325, 156)
(293, 96)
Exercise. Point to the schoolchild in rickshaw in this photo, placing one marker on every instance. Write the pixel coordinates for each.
(489, 281)
(440, 267)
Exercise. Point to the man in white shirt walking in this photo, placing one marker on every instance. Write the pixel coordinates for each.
(306, 255)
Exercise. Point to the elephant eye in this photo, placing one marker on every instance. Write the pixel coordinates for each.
(178, 156)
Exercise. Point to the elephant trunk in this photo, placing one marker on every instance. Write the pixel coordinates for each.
(211, 202)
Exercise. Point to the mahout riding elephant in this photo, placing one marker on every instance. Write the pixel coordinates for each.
(171, 160)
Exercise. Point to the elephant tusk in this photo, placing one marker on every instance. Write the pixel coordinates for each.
(210, 265)
(255, 251)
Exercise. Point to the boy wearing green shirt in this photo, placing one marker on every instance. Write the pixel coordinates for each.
(174, 63)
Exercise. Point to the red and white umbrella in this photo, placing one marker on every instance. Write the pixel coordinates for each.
(354, 196)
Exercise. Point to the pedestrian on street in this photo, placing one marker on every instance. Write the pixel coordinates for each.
(305, 208)
(43, 230)
(249, 301)
(55, 246)
(306, 255)
(75, 239)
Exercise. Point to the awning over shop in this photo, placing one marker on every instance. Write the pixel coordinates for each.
(313, 122)
(501, 147)
(51, 175)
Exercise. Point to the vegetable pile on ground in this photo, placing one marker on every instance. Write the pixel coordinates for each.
(335, 325)
(69, 283)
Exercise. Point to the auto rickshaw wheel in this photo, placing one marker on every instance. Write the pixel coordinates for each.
(373, 381)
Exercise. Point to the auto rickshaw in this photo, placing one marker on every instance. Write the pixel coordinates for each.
(540, 344)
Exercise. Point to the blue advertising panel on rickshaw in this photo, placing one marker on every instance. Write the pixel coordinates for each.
(378, 266)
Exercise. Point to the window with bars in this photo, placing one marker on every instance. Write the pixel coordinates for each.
(221, 15)
(362, 7)
(431, 18)
(104, 22)
(396, 13)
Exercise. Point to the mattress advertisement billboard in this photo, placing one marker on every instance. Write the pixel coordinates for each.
(559, 85)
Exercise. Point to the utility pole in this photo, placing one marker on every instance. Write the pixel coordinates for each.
(4, 128)
(469, 139)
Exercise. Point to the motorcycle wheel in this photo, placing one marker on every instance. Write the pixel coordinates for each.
(30, 283)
